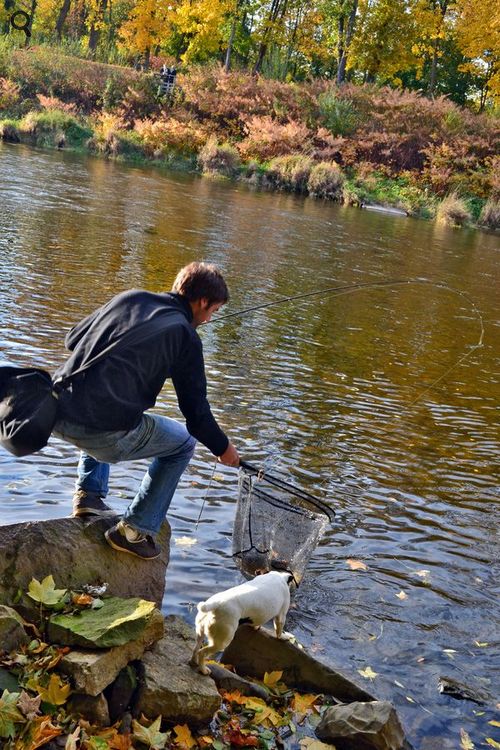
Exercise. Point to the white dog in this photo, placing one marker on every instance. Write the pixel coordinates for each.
(266, 597)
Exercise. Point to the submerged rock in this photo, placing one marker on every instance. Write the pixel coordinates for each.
(75, 552)
(460, 691)
(117, 622)
(92, 671)
(169, 686)
(12, 633)
(362, 726)
(254, 652)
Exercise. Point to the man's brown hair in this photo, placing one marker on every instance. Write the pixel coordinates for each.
(201, 281)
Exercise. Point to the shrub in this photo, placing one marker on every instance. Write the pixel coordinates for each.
(326, 181)
(452, 211)
(290, 172)
(9, 131)
(219, 158)
(9, 93)
(181, 134)
(53, 127)
(490, 215)
(267, 138)
(339, 116)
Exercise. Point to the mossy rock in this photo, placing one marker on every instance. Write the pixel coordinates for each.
(117, 622)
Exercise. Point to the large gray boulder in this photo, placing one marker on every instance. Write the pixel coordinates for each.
(171, 687)
(362, 726)
(12, 633)
(92, 671)
(75, 552)
(254, 652)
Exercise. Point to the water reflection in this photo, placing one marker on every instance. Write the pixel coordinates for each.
(322, 390)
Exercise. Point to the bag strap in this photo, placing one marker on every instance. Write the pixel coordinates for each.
(139, 332)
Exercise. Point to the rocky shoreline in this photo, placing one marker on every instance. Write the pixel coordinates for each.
(83, 659)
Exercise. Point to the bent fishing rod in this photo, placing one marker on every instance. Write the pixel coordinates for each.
(338, 291)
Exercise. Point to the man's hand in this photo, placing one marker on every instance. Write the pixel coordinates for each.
(230, 457)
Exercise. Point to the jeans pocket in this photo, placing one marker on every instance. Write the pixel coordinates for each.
(134, 441)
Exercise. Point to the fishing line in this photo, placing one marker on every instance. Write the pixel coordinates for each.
(338, 291)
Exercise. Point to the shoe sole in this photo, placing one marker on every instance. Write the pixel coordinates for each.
(93, 512)
(129, 551)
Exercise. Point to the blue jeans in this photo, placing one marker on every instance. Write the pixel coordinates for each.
(166, 440)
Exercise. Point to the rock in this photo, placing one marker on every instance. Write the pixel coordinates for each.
(227, 680)
(120, 693)
(362, 726)
(254, 652)
(169, 686)
(92, 671)
(12, 633)
(460, 691)
(92, 708)
(75, 552)
(117, 622)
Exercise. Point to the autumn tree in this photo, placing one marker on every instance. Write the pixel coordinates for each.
(478, 37)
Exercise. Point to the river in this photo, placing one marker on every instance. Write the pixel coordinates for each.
(337, 394)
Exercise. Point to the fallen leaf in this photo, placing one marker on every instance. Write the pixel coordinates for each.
(72, 739)
(82, 600)
(121, 742)
(9, 714)
(399, 684)
(151, 736)
(368, 673)
(493, 743)
(29, 706)
(45, 592)
(56, 693)
(234, 697)
(481, 644)
(356, 564)
(410, 700)
(402, 595)
(309, 743)
(423, 574)
(465, 741)
(41, 731)
(494, 723)
(239, 739)
(303, 703)
(272, 678)
(218, 477)
(183, 736)
(205, 740)
(185, 541)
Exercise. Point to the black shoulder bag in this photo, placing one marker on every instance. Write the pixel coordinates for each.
(28, 395)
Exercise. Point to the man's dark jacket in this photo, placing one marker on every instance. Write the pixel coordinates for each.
(157, 342)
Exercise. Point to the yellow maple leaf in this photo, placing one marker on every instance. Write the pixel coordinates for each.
(368, 673)
(494, 723)
(272, 678)
(402, 595)
(309, 743)
(56, 693)
(302, 704)
(493, 743)
(356, 564)
(234, 697)
(45, 592)
(183, 736)
(465, 741)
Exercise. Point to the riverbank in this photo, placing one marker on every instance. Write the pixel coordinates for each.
(356, 145)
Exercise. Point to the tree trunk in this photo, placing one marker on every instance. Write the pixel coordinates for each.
(227, 63)
(344, 44)
(273, 14)
(95, 32)
(62, 17)
(30, 23)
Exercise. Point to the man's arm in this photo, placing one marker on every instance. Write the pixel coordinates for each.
(188, 377)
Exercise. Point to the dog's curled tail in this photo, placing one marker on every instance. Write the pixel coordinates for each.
(206, 607)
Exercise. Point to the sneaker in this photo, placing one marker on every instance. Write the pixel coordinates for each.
(90, 504)
(125, 538)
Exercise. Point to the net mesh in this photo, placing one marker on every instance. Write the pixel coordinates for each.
(277, 526)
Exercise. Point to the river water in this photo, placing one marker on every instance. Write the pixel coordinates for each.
(336, 393)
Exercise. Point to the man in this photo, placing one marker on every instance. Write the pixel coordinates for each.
(102, 411)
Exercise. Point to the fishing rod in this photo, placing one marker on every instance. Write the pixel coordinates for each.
(337, 291)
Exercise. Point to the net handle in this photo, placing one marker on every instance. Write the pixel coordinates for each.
(260, 473)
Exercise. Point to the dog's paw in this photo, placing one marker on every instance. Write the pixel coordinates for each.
(204, 670)
(285, 636)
